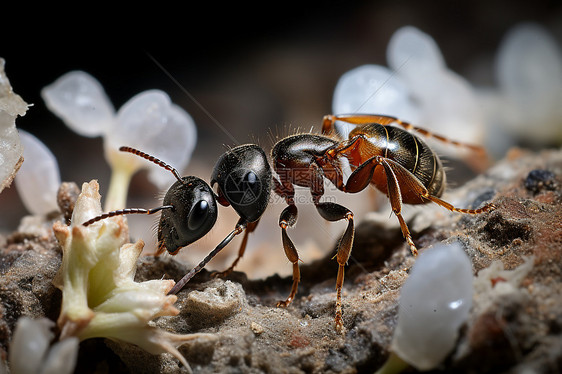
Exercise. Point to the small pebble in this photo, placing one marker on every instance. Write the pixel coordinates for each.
(220, 300)
(539, 179)
(256, 328)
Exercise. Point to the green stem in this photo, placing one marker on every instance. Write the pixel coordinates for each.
(118, 188)
(393, 365)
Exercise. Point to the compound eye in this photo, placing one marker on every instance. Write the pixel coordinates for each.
(198, 215)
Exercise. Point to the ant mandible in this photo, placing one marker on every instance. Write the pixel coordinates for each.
(395, 161)
(189, 209)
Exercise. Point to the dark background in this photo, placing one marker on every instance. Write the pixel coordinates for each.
(257, 70)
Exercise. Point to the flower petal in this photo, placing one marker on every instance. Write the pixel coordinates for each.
(529, 71)
(428, 320)
(80, 101)
(151, 123)
(372, 89)
(411, 53)
(38, 179)
(30, 344)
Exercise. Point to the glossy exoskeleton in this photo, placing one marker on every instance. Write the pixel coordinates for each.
(395, 161)
(189, 209)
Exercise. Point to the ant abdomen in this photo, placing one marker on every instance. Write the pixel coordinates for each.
(404, 148)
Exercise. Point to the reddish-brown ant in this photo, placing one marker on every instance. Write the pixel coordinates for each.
(394, 160)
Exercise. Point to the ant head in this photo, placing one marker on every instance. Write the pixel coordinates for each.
(193, 215)
(243, 176)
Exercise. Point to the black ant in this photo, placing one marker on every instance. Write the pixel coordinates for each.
(189, 209)
(394, 160)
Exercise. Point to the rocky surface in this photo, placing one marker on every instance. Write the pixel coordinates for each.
(515, 325)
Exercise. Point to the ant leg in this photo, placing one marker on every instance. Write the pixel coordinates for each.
(288, 218)
(360, 179)
(486, 208)
(395, 172)
(360, 119)
(421, 191)
(329, 121)
(395, 197)
(249, 228)
(335, 212)
(328, 124)
(240, 226)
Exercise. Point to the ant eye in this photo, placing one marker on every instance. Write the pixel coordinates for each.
(198, 215)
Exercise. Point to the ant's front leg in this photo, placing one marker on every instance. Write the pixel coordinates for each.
(240, 226)
(250, 227)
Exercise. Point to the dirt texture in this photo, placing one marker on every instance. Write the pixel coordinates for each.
(515, 325)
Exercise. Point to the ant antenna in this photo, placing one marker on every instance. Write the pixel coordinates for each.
(122, 212)
(152, 159)
(241, 226)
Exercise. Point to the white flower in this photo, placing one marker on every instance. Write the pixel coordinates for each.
(80, 101)
(100, 296)
(526, 102)
(434, 302)
(149, 122)
(417, 87)
(38, 179)
(31, 353)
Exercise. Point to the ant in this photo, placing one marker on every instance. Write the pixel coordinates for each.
(395, 161)
(189, 209)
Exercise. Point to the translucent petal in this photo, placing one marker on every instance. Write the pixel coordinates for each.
(529, 64)
(434, 302)
(529, 71)
(80, 101)
(62, 357)
(450, 107)
(411, 52)
(38, 179)
(152, 123)
(372, 89)
(29, 345)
